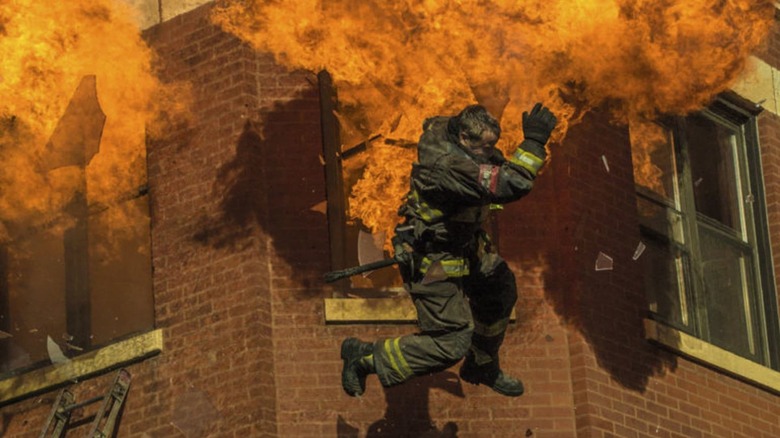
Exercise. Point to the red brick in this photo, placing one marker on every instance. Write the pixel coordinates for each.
(242, 313)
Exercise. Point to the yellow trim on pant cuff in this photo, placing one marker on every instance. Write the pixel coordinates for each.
(494, 329)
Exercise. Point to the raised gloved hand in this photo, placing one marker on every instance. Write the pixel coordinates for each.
(539, 123)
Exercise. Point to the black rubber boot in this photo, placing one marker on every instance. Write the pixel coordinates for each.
(358, 363)
(490, 375)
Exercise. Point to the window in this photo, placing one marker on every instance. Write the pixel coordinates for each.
(352, 243)
(708, 269)
(352, 154)
(81, 279)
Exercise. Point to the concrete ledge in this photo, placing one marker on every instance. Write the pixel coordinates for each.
(370, 310)
(759, 84)
(82, 367)
(373, 311)
(716, 357)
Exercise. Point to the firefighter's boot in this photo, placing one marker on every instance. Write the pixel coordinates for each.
(358, 360)
(490, 375)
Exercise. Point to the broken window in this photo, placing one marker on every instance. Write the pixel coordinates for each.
(702, 215)
(367, 177)
(81, 278)
(352, 243)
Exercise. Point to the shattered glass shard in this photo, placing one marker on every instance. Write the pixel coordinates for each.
(603, 262)
(640, 248)
(194, 415)
(321, 207)
(55, 352)
(73, 347)
(76, 138)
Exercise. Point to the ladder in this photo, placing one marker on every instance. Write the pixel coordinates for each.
(105, 419)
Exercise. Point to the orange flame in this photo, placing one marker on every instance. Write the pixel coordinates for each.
(647, 140)
(396, 63)
(47, 48)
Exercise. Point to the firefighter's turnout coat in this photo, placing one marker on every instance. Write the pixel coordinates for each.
(449, 256)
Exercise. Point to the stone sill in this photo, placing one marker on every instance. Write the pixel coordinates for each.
(373, 311)
(88, 365)
(716, 357)
(369, 310)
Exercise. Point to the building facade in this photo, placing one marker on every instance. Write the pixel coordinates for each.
(613, 335)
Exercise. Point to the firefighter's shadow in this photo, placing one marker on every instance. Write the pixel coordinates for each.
(272, 188)
(407, 413)
(595, 280)
(238, 187)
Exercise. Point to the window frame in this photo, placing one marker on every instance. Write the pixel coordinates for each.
(348, 304)
(340, 309)
(93, 354)
(741, 117)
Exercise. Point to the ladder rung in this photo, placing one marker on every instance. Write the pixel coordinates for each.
(82, 404)
(107, 414)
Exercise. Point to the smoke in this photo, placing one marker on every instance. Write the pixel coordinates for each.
(396, 63)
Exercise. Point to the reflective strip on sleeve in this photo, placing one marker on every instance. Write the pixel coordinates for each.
(488, 177)
(491, 330)
(393, 350)
(527, 161)
(422, 208)
(452, 267)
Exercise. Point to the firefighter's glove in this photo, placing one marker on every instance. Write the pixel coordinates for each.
(539, 124)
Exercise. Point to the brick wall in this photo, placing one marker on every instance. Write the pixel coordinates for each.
(769, 128)
(238, 255)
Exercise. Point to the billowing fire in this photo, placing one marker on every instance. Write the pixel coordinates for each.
(53, 53)
(396, 63)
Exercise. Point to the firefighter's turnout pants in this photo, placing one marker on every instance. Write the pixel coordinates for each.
(464, 310)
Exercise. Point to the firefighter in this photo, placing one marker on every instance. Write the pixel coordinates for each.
(463, 291)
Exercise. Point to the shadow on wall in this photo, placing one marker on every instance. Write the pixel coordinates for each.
(582, 208)
(273, 182)
(276, 179)
(407, 412)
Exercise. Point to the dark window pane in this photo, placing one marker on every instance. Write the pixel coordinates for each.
(661, 219)
(664, 283)
(725, 269)
(711, 150)
(81, 289)
(120, 273)
(34, 297)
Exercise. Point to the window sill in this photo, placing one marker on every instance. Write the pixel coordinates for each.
(82, 367)
(713, 356)
(373, 311)
(369, 310)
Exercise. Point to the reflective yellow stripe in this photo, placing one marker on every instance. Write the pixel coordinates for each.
(527, 160)
(390, 356)
(451, 267)
(391, 345)
(496, 207)
(494, 329)
(422, 208)
(404, 364)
